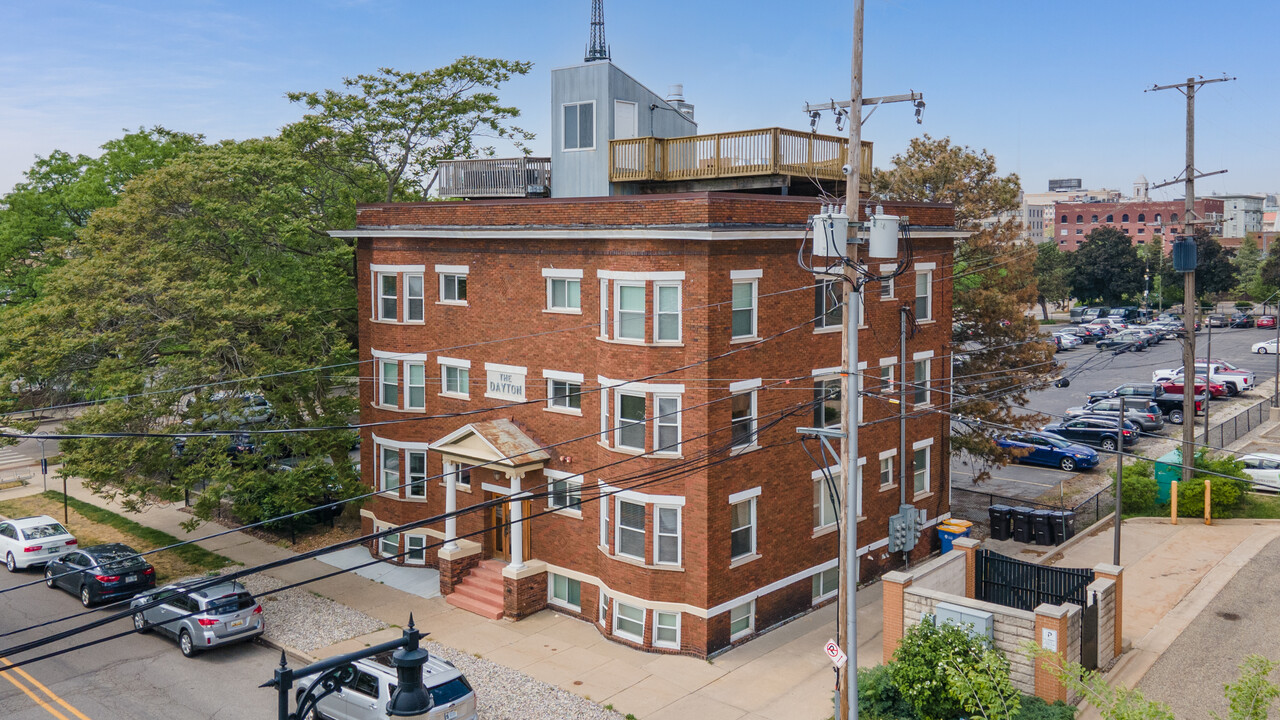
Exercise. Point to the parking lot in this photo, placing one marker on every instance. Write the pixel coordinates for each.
(1089, 369)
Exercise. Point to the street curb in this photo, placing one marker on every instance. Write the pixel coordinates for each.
(304, 658)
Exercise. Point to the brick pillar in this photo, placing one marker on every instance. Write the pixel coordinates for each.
(1053, 633)
(1114, 573)
(455, 564)
(524, 589)
(969, 547)
(895, 584)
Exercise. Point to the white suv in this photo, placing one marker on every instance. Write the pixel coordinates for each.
(366, 696)
(33, 540)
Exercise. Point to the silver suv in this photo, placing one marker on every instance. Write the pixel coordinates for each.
(366, 694)
(201, 619)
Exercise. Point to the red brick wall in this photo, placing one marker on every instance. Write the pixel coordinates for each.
(1139, 232)
(506, 295)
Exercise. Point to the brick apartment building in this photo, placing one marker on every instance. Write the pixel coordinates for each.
(1140, 219)
(675, 511)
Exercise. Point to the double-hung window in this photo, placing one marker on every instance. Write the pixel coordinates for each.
(630, 432)
(744, 309)
(629, 311)
(389, 382)
(828, 304)
(390, 469)
(825, 506)
(387, 302)
(453, 283)
(666, 323)
(566, 493)
(886, 289)
(886, 377)
(666, 629)
(666, 541)
(389, 545)
(630, 538)
(826, 584)
(628, 621)
(920, 386)
(886, 471)
(416, 483)
(461, 474)
(924, 295)
(414, 298)
(743, 419)
(666, 424)
(415, 390)
(921, 467)
(415, 549)
(742, 620)
(742, 528)
(827, 403)
(579, 126)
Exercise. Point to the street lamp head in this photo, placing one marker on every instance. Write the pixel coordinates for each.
(410, 697)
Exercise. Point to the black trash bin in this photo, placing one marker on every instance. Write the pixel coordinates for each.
(1042, 526)
(1022, 530)
(1064, 526)
(1001, 516)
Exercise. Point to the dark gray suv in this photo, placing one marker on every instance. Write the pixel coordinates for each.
(200, 619)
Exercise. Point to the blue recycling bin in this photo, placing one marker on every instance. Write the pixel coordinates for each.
(948, 533)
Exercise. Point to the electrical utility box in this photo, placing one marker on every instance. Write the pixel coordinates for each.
(883, 237)
(905, 528)
(831, 232)
(978, 623)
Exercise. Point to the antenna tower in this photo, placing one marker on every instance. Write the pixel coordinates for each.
(597, 49)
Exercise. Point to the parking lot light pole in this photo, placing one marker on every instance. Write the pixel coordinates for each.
(1208, 372)
(1115, 552)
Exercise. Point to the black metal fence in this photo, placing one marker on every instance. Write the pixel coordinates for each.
(1237, 426)
(1015, 583)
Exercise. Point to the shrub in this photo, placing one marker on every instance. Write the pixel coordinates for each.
(1139, 495)
(1227, 493)
(878, 697)
(943, 673)
(1034, 708)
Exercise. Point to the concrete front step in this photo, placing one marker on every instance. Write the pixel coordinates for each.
(479, 607)
(481, 591)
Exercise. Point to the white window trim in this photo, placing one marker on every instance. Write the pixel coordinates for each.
(736, 275)
(406, 481)
(886, 269)
(928, 380)
(440, 278)
(617, 427)
(604, 310)
(753, 443)
(551, 397)
(826, 596)
(455, 468)
(754, 553)
(408, 405)
(679, 535)
(382, 384)
(665, 419)
(557, 309)
(661, 643)
(755, 311)
(751, 617)
(818, 476)
(382, 469)
(453, 269)
(628, 275)
(564, 136)
(422, 298)
(928, 470)
(569, 479)
(617, 311)
(557, 602)
(444, 369)
(384, 538)
(453, 362)
(644, 617)
(618, 527)
(745, 385)
(378, 297)
(928, 272)
(564, 376)
(561, 273)
(407, 549)
(679, 312)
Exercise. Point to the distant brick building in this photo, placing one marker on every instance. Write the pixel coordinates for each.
(670, 511)
(1139, 219)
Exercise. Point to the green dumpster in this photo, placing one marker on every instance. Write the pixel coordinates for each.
(1168, 469)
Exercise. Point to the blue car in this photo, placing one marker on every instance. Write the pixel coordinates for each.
(1052, 450)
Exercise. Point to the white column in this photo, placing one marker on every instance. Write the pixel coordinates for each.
(451, 507)
(517, 529)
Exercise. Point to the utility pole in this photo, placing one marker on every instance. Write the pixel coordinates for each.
(1208, 377)
(1115, 550)
(1189, 278)
(902, 416)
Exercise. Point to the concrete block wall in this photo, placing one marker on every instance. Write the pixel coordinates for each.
(1103, 592)
(1012, 628)
(944, 574)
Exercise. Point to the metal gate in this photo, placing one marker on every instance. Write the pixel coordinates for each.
(1089, 637)
(1018, 584)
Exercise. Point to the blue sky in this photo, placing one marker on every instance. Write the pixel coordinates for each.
(1051, 89)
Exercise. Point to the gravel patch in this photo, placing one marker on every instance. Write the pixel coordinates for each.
(506, 694)
(300, 619)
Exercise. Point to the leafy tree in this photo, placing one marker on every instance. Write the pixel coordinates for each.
(401, 124)
(1248, 264)
(942, 172)
(1253, 694)
(1215, 272)
(1053, 276)
(214, 268)
(1002, 356)
(1106, 267)
(42, 217)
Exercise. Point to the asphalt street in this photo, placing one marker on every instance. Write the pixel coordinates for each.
(1089, 369)
(139, 677)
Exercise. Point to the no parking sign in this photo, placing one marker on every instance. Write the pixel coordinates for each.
(838, 658)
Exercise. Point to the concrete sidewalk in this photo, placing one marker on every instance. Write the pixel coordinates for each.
(781, 675)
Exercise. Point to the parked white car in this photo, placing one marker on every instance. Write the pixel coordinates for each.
(1265, 347)
(365, 695)
(1264, 469)
(33, 540)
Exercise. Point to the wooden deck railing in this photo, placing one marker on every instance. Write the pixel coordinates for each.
(770, 151)
(496, 177)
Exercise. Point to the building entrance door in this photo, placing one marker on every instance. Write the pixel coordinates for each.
(500, 529)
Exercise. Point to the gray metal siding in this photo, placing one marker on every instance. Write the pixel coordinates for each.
(585, 173)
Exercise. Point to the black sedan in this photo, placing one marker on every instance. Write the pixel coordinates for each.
(1097, 432)
(101, 572)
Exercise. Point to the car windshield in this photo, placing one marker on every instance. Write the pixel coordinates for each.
(228, 604)
(44, 531)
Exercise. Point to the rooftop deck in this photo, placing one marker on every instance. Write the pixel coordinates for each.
(496, 178)
(743, 154)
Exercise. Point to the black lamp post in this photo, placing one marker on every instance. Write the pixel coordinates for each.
(410, 697)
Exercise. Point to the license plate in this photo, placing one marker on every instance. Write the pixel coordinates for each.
(130, 578)
(52, 551)
(451, 715)
(237, 623)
